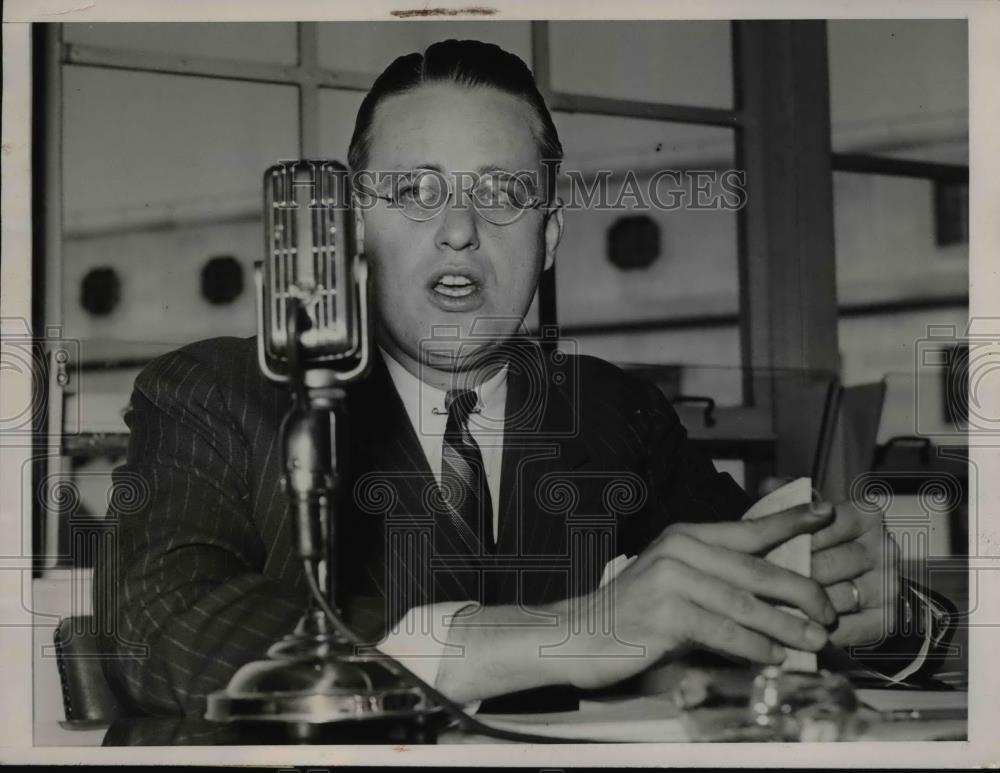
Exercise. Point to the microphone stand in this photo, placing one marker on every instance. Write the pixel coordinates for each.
(315, 685)
(323, 682)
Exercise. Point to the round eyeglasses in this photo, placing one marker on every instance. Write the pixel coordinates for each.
(498, 197)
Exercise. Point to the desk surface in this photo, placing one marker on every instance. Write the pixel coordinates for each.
(613, 722)
(189, 731)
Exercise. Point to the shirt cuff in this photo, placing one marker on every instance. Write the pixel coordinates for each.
(419, 640)
(925, 646)
(935, 627)
(614, 567)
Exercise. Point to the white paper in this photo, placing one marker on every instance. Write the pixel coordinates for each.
(910, 700)
(795, 554)
(614, 567)
(647, 718)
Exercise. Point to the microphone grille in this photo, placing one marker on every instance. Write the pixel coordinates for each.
(309, 253)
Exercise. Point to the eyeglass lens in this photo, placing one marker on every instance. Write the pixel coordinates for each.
(499, 197)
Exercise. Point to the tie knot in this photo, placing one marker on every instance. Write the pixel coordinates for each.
(460, 403)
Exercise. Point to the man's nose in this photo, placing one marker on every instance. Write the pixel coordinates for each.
(457, 224)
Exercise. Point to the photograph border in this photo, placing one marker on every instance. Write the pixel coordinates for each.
(16, 640)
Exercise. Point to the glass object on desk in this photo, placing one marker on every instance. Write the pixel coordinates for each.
(734, 704)
(803, 705)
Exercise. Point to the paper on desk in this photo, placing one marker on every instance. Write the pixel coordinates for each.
(907, 700)
(795, 554)
(646, 718)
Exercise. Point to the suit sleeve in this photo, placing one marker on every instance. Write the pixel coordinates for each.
(180, 593)
(683, 485)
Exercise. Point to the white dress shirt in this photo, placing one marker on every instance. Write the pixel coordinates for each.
(418, 640)
(425, 406)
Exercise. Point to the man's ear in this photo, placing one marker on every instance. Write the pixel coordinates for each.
(553, 231)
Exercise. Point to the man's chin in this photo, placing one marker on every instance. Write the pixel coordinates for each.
(452, 343)
(458, 355)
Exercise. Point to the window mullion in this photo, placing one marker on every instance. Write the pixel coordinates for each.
(308, 34)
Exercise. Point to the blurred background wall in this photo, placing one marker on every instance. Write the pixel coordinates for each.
(161, 200)
(162, 175)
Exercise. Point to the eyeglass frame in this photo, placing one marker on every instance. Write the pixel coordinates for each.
(535, 201)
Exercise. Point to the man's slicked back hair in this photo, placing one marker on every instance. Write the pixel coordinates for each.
(469, 63)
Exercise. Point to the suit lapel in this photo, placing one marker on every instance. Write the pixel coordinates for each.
(383, 438)
(541, 436)
(389, 453)
(387, 475)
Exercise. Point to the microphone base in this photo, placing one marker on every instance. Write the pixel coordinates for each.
(312, 687)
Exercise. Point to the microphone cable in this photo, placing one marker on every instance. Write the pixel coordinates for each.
(465, 721)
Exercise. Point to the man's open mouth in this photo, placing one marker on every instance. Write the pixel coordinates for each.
(455, 286)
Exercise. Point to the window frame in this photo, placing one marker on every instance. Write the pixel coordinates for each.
(784, 143)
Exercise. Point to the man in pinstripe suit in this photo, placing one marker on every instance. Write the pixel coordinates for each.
(528, 472)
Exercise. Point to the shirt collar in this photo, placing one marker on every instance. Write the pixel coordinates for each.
(422, 399)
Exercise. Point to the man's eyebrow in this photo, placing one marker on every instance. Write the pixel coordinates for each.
(492, 168)
(486, 168)
(431, 167)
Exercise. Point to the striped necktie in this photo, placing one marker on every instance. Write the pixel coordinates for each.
(463, 477)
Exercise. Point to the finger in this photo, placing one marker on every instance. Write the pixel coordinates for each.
(842, 596)
(843, 562)
(873, 590)
(753, 574)
(707, 629)
(848, 524)
(864, 629)
(758, 535)
(749, 611)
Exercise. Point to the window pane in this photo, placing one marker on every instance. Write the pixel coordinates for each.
(337, 111)
(371, 46)
(693, 270)
(918, 392)
(889, 346)
(140, 146)
(709, 358)
(898, 83)
(953, 151)
(875, 345)
(886, 243)
(677, 62)
(706, 353)
(162, 173)
(161, 299)
(245, 41)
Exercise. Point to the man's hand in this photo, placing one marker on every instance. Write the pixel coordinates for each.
(703, 586)
(708, 586)
(855, 548)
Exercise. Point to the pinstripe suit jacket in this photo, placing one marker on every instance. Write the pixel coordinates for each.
(203, 575)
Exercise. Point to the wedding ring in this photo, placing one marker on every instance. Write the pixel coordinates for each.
(855, 596)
